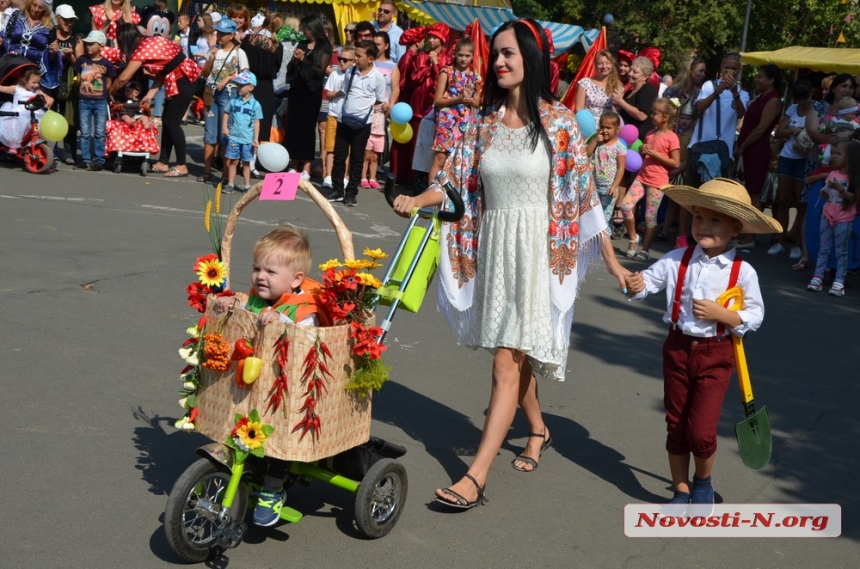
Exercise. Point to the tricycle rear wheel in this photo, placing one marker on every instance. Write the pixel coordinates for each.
(39, 160)
(190, 519)
(381, 498)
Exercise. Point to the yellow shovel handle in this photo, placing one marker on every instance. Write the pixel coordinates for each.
(737, 295)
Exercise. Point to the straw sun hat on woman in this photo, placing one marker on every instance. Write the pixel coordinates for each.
(727, 197)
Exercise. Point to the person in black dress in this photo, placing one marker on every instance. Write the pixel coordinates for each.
(305, 73)
(265, 53)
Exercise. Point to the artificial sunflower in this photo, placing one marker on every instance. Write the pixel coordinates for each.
(250, 436)
(374, 253)
(330, 264)
(211, 272)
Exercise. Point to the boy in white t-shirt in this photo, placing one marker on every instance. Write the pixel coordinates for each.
(364, 87)
(333, 91)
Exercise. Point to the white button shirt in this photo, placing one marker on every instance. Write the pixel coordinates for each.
(707, 278)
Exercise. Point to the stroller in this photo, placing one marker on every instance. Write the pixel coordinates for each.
(31, 148)
(130, 141)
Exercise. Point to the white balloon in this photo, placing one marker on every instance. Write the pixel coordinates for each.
(273, 156)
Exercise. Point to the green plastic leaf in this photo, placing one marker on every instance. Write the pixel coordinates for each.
(237, 417)
(192, 401)
(254, 416)
(259, 452)
(268, 430)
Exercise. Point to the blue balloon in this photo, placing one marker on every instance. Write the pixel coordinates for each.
(401, 113)
(587, 125)
(608, 19)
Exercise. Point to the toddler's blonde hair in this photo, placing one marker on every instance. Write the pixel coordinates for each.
(290, 244)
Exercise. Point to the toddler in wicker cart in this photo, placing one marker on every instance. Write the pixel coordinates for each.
(280, 293)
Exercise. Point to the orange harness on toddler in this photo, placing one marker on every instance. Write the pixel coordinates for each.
(296, 306)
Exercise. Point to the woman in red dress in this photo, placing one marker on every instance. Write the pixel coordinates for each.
(161, 58)
(107, 16)
(753, 143)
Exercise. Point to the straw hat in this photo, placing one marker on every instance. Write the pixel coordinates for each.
(727, 197)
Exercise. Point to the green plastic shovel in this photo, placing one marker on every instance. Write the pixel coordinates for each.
(753, 433)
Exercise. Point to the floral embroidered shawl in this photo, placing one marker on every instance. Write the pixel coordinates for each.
(576, 223)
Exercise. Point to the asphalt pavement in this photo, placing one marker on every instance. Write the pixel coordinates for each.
(94, 267)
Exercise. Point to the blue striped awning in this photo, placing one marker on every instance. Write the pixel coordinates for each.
(458, 17)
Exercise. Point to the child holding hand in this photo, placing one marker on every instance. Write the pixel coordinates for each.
(241, 126)
(698, 359)
(608, 157)
(661, 153)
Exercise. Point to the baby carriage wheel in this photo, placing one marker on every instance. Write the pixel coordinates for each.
(117, 165)
(381, 498)
(39, 160)
(144, 168)
(194, 519)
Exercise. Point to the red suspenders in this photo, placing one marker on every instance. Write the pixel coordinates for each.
(682, 274)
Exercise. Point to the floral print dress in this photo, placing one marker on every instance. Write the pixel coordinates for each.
(451, 121)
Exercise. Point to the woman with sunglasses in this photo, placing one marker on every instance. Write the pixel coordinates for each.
(349, 34)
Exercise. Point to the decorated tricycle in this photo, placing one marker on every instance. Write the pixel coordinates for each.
(299, 394)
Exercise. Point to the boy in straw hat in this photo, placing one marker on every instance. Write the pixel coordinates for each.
(698, 360)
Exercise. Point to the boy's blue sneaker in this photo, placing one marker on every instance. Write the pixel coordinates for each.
(677, 506)
(268, 510)
(702, 496)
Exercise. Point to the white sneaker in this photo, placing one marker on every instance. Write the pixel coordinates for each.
(795, 253)
(306, 176)
(776, 249)
(327, 182)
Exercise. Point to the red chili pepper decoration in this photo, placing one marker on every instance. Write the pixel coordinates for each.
(314, 382)
(281, 385)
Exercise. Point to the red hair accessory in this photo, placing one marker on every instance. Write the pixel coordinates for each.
(548, 33)
(536, 33)
(652, 54)
(626, 55)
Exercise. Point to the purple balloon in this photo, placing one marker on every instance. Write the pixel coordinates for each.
(629, 134)
(633, 162)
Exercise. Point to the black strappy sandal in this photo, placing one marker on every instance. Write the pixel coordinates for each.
(462, 503)
(529, 460)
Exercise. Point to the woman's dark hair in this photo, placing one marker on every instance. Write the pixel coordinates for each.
(851, 148)
(801, 90)
(321, 53)
(387, 39)
(127, 38)
(838, 80)
(771, 71)
(536, 75)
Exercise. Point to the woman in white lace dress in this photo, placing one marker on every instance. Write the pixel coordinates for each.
(511, 268)
(595, 93)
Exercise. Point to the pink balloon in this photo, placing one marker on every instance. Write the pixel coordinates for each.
(629, 134)
(633, 162)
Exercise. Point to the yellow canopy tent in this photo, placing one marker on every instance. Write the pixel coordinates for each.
(828, 60)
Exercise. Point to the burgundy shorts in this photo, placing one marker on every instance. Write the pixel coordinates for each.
(696, 375)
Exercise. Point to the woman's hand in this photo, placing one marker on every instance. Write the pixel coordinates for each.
(617, 97)
(635, 283)
(434, 58)
(54, 47)
(299, 54)
(403, 205)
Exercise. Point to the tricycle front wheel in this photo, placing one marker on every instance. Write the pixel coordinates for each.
(194, 518)
(381, 498)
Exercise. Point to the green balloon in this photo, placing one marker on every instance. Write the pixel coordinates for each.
(636, 145)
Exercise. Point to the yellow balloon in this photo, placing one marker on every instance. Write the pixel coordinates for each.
(403, 132)
(53, 126)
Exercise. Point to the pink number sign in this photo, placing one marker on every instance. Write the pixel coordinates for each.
(280, 186)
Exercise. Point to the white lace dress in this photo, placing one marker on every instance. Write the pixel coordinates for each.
(512, 301)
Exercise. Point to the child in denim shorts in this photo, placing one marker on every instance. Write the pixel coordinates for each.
(241, 126)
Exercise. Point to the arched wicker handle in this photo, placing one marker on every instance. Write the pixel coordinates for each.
(344, 236)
